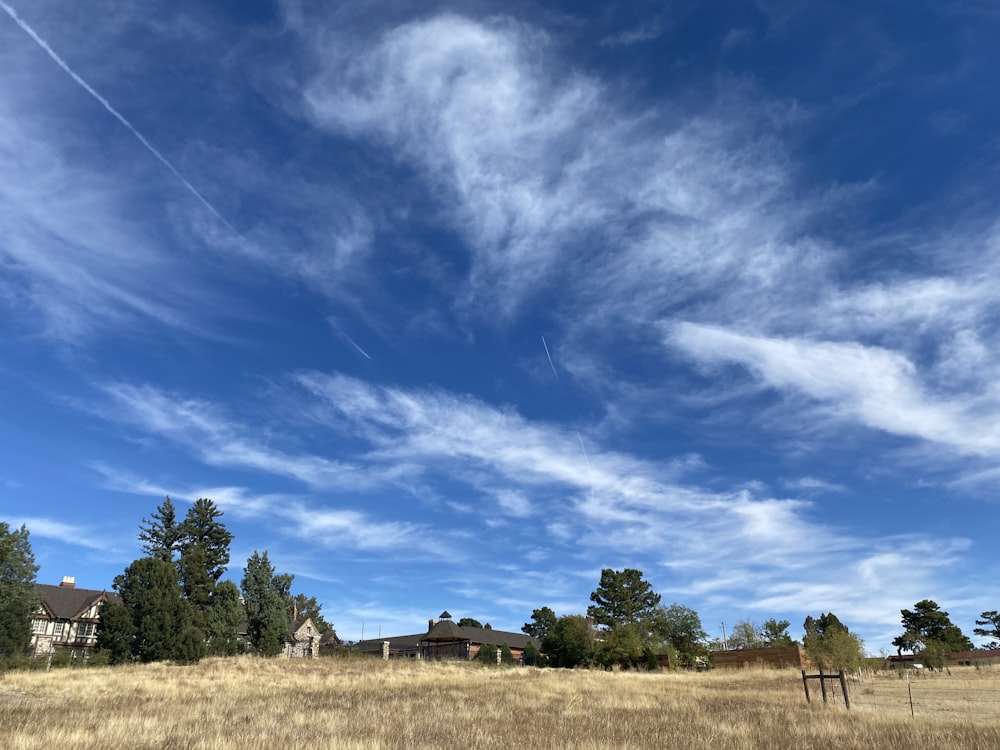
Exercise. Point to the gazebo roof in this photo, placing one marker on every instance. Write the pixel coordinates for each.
(445, 630)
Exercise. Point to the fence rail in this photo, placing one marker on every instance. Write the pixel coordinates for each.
(957, 692)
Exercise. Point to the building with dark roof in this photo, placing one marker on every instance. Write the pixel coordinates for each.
(67, 618)
(446, 640)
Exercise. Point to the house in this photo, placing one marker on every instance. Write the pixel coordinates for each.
(978, 658)
(304, 639)
(446, 640)
(67, 618)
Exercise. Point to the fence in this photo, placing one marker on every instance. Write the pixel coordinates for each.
(962, 691)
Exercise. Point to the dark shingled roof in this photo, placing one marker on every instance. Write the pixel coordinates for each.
(69, 603)
(447, 631)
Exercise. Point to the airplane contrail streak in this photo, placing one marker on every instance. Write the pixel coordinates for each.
(550, 361)
(114, 112)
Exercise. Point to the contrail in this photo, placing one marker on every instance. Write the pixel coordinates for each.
(355, 345)
(546, 354)
(114, 112)
(586, 456)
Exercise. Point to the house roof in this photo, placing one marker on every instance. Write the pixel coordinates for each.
(979, 653)
(70, 603)
(448, 631)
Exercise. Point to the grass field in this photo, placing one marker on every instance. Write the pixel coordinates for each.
(248, 703)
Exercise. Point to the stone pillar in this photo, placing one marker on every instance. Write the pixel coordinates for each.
(385, 650)
(499, 654)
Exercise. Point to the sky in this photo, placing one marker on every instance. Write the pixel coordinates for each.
(451, 305)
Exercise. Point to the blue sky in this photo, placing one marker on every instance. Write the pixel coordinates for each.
(452, 305)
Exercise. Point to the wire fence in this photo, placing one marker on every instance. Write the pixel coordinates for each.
(963, 691)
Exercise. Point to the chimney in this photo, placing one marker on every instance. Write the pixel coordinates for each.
(68, 582)
(431, 624)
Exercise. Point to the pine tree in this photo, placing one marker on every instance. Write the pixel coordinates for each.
(18, 598)
(622, 597)
(265, 595)
(201, 529)
(160, 533)
(224, 617)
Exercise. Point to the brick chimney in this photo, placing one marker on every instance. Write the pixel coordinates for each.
(68, 582)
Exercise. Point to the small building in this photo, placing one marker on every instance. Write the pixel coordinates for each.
(446, 640)
(977, 658)
(303, 641)
(67, 618)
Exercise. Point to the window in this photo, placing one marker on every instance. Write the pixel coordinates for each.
(86, 630)
(38, 626)
(58, 628)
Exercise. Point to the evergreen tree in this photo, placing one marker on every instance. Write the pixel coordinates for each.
(164, 622)
(18, 597)
(622, 597)
(468, 622)
(927, 628)
(775, 633)
(307, 606)
(115, 633)
(224, 618)
(265, 595)
(991, 619)
(680, 627)
(570, 642)
(160, 533)
(542, 621)
(203, 531)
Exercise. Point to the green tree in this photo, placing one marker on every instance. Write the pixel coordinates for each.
(506, 655)
(746, 634)
(830, 645)
(18, 597)
(542, 620)
(570, 642)
(775, 633)
(265, 595)
(928, 626)
(201, 529)
(532, 656)
(680, 628)
(306, 606)
(165, 622)
(223, 620)
(115, 633)
(621, 597)
(468, 622)
(622, 645)
(487, 654)
(160, 534)
(991, 619)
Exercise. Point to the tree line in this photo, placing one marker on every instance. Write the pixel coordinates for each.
(627, 625)
(174, 604)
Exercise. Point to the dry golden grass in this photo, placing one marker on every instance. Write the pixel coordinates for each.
(249, 703)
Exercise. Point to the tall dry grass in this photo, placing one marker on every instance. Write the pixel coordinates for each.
(250, 703)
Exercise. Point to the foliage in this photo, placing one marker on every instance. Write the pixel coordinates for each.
(203, 531)
(115, 633)
(487, 654)
(830, 645)
(680, 628)
(265, 595)
(164, 622)
(774, 633)
(160, 533)
(542, 620)
(621, 597)
(468, 622)
(532, 656)
(570, 642)
(506, 655)
(746, 634)
(992, 619)
(18, 598)
(622, 645)
(308, 607)
(927, 626)
(224, 618)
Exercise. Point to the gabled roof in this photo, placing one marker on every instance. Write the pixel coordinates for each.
(70, 603)
(447, 631)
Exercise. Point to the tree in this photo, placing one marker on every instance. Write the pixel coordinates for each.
(307, 607)
(18, 598)
(570, 642)
(468, 622)
(542, 621)
(265, 595)
(680, 627)
(160, 533)
(992, 619)
(115, 633)
(925, 627)
(532, 656)
(164, 622)
(746, 634)
(223, 620)
(622, 645)
(622, 597)
(487, 654)
(201, 530)
(830, 645)
(775, 633)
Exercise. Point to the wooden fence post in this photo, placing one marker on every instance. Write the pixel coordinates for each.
(843, 688)
(805, 684)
